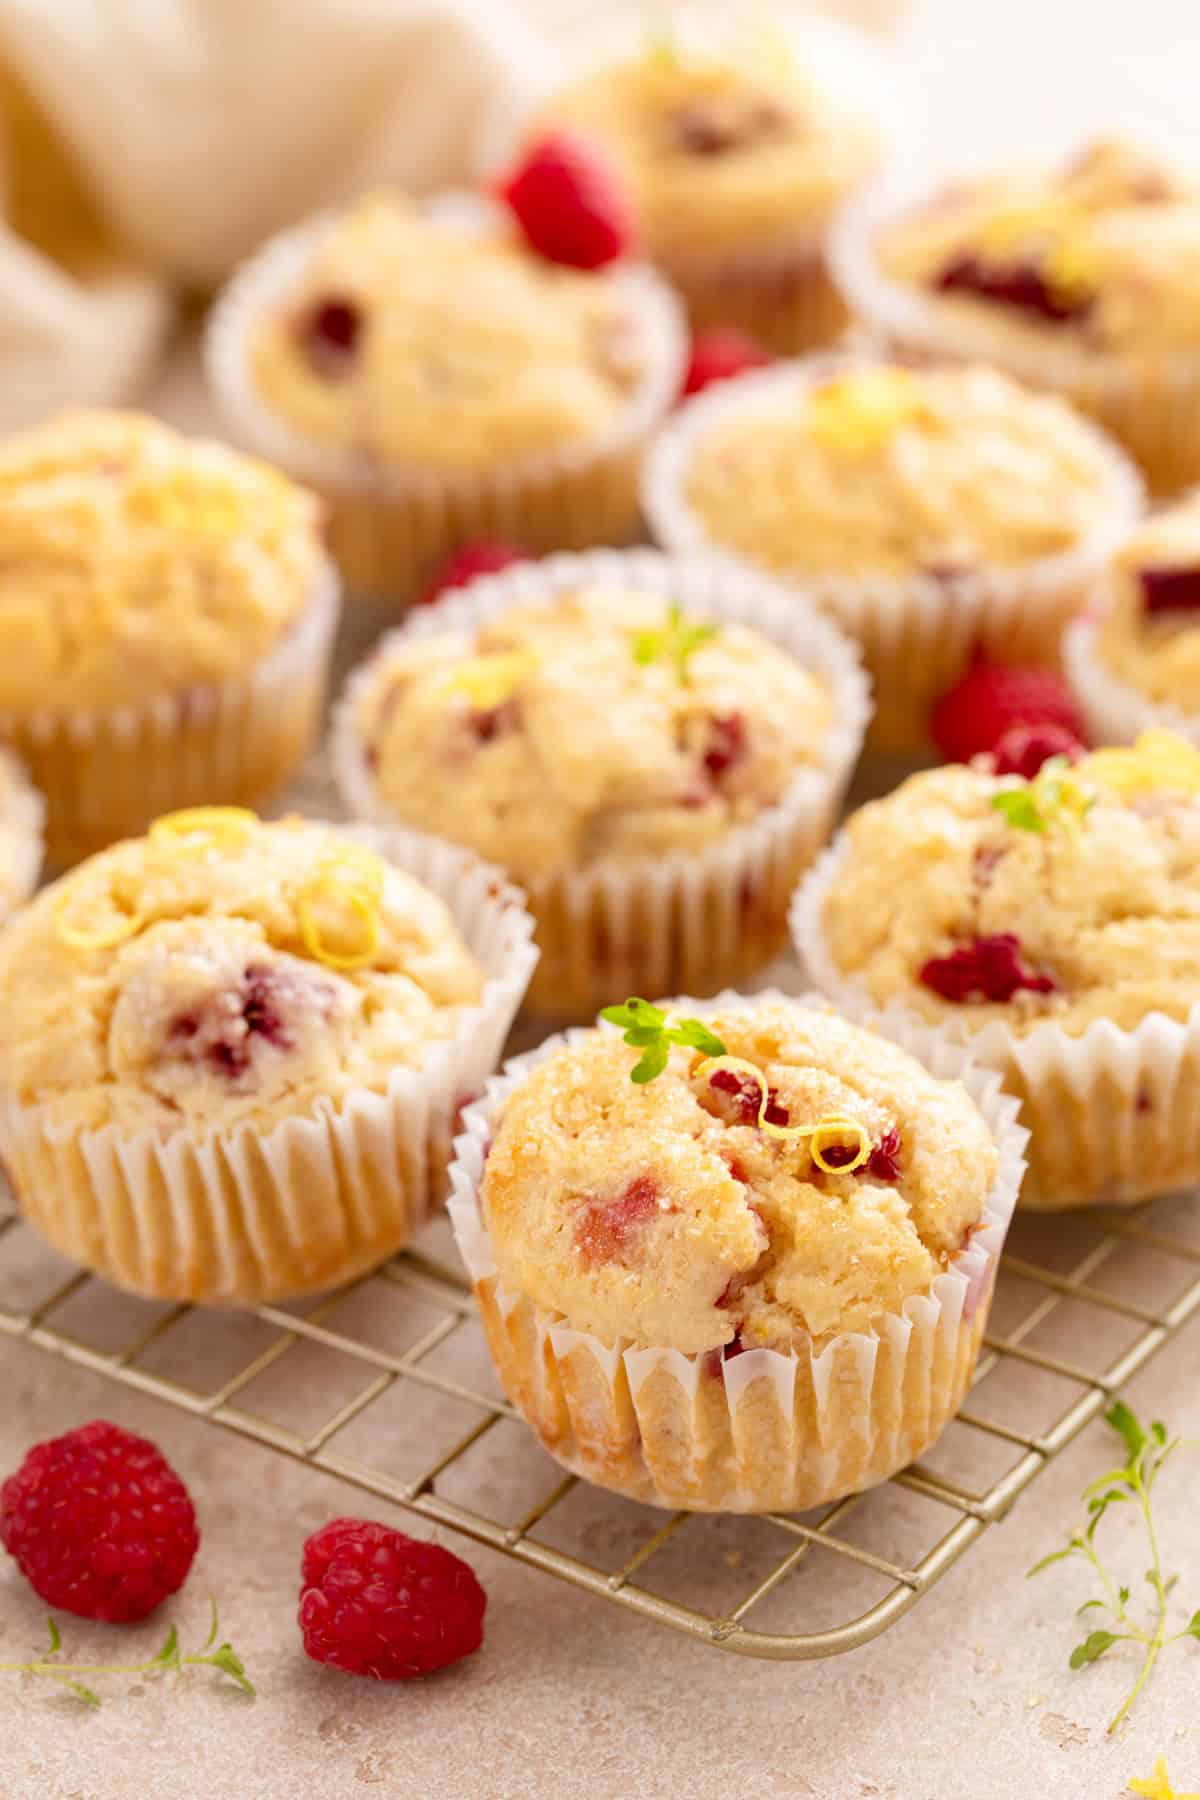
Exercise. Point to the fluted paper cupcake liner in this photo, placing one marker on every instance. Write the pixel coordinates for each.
(763, 1431)
(688, 919)
(106, 774)
(918, 633)
(782, 294)
(26, 814)
(1148, 400)
(248, 1215)
(389, 525)
(1114, 712)
(1113, 1115)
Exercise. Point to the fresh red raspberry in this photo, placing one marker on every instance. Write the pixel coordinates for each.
(1024, 748)
(374, 1602)
(486, 556)
(976, 712)
(570, 202)
(988, 968)
(721, 353)
(99, 1524)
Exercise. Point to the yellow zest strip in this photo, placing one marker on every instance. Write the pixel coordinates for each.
(859, 412)
(834, 1128)
(1159, 759)
(492, 679)
(329, 882)
(207, 825)
(125, 925)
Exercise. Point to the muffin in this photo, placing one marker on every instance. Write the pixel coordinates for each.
(736, 156)
(1083, 277)
(166, 615)
(22, 817)
(437, 381)
(1134, 660)
(932, 512)
(1052, 924)
(757, 1279)
(653, 747)
(232, 1053)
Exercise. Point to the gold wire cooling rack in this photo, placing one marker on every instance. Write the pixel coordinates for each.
(386, 1385)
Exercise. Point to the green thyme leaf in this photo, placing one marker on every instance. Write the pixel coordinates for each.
(1052, 798)
(633, 1013)
(695, 1035)
(169, 1659)
(1125, 1423)
(653, 1061)
(55, 1638)
(646, 1028)
(677, 642)
(1092, 1648)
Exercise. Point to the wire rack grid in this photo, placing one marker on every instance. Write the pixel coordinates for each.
(386, 1385)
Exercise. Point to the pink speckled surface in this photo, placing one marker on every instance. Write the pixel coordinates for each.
(969, 1698)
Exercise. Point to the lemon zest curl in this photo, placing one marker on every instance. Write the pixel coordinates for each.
(124, 926)
(833, 1128)
(354, 875)
(204, 827)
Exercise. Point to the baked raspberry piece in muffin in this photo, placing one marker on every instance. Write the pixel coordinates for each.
(745, 1212)
(1053, 923)
(232, 1051)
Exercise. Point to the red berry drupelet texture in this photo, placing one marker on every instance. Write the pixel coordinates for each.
(374, 1602)
(99, 1524)
(486, 556)
(988, 968)
(1024, 748)
(991, 698)
(570, 202)
(721, 353)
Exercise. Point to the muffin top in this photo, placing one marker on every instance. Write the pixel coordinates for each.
(1073, 897)
(1149, 634)
(1104, 250)
(222, 971)
(603, 724)
(135, 562)
(20, 835)
(665, 1213)
(883, 470)
(720, 150)
(410, 340)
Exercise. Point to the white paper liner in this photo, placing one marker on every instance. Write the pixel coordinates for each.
(1113, 1115)
(917, 633)
(1114, 712)
(106, 774)
(764, 1430)
(688, 919)
(245, 1215)
(25, 816)
(1150, 401)
(388, 524)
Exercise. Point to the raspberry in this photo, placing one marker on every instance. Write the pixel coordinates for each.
(99, 1524)
(977, 711)
(374, 1602)
(726, 744)
(1170, 590)
(1022, 286)
(990, 968)
(570, 202)
(721, 353)
(486, 556)
(1024, 748)
(330, 333)
(604, 1232)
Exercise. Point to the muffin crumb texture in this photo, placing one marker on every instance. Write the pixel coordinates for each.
(412, 341)
(665, 1215)
(888, 471)
(1103, 250)
(1072, 898)
(135, 562)
(1149, 635)
(721, 148)
(604, 724)
(222, 972)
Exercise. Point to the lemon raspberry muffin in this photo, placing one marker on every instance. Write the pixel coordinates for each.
(745, 1264)
(1083, 277)
(438, 381)
(1053, 924)
(232, 1053)
(1134, 660)
(166, 612)
(932, 512)
(736, 155)
(22, 818)
(654, 749)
